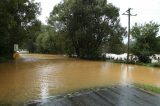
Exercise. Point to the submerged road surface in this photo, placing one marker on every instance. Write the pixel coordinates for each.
(39, 76)
(113, 96)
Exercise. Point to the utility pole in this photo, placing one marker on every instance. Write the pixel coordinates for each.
(128, 12)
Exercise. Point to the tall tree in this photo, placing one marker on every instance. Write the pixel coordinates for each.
(87, 23)
(146, 41)
(17, 17)
(30, 40)
(49, 41)
(114, 43)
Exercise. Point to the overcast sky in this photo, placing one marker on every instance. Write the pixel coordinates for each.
(146, 10)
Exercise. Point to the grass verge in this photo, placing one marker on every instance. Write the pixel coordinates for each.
(154, 64)
(148, 87)
(138, 63)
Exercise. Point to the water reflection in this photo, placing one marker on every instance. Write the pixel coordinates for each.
(36, 76)
(44, 90)
(44, 83)
(124, 74)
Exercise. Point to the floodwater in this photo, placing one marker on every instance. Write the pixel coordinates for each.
(38, 76)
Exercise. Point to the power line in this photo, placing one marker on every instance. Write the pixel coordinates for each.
(128, 12)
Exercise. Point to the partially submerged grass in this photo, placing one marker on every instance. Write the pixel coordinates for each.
(148, 87)
(149, 64)
(137, 63)
(154, 64)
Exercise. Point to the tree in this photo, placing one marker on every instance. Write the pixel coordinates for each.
(145, 41)
(18, 17)
(30, 40)
(114, 43)
(49, 41)
(86, 24)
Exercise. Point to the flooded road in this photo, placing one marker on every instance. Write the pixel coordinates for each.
(37, 76)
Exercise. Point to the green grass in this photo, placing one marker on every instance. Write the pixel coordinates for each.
(154, 64)
(138, 63)
(148, 87)
(149, 64)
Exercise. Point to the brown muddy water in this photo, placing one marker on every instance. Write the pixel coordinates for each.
(38, 76)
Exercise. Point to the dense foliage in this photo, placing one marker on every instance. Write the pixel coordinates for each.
(49, 41)
(86, 26)
(17, 22)
(146, 41)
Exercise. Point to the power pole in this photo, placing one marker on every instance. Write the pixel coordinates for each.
(128, 12)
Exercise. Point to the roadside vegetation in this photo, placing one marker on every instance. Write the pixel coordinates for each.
(154, 64)
(86, 29)
(148, 64)
(146, 41)
(18, 24)
(144, 45)
(157, 64)
(148, 88)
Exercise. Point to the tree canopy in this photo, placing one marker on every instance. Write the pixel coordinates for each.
(48, 41)
(18, 18)
(146, 41)
(86, 25)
